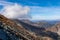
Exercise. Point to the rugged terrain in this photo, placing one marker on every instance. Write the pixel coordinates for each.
(10, 26)
(20, 30)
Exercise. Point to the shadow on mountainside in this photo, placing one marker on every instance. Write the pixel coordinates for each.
(39, 31)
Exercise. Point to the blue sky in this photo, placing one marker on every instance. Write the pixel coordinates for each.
(37, 2)
(40, 9)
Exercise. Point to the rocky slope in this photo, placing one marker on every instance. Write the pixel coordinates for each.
(11, 27)
(55, 28)
(41, 31)
(19, 30)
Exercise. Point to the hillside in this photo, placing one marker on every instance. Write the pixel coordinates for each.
(41, 31)
(11, 27)
(19, 30)
(55, 28)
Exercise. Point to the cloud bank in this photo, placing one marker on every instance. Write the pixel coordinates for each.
(14, 10)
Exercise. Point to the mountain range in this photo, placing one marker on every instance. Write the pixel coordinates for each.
(15, 29)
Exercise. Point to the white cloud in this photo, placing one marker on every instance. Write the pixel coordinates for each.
(45, 13)
(14, 10)
(4, 3)
(39, 17)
